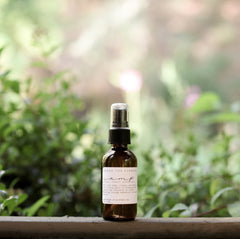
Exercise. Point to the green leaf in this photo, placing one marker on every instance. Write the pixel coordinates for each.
(192, 210)
(4, 74)
(50, 209)
(179, 207)
(166, 213)
(151, 211)
(39, 64)
(186, 213)
(12, 85)
(50, 50)
(10, 203)
(1, 49)
(34, 208)
(2, 186)
(3, 213)
(3, 194)
(61, 74)
(234, 209)
(22, 198)
(13, 183)
(206, 102)
(222, 118)
(219, 193)
(214, 186)
(65, 85)
(2, 172)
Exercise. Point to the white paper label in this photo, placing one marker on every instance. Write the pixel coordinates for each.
(119, 185)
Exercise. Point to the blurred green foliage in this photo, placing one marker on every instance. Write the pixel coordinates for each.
(199, 174)
(11, 201)
(195, 179)
(187, 143)
(47, 147)
(52, 156)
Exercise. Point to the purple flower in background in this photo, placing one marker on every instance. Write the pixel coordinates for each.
(192, 94)
(130, 81)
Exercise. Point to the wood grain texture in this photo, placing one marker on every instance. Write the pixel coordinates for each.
(94, 227)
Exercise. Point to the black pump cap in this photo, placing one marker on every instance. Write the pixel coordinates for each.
(119, 132)
(119, 136)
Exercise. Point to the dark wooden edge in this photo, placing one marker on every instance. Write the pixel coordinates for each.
(94, 227)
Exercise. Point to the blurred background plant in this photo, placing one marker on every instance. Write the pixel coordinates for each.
(174, 62)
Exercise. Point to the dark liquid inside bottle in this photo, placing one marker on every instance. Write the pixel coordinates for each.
(119, 156)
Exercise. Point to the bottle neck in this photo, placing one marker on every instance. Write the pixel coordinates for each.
(118, 146)
(119, 136)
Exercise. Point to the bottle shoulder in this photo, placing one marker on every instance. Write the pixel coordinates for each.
(125, 152)
(119, 158)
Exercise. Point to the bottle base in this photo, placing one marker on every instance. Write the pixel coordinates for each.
(118, 219)
(119, 212)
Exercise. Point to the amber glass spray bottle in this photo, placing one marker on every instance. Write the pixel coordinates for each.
(119, 170)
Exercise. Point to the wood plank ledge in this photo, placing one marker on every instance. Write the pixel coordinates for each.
(95, 227)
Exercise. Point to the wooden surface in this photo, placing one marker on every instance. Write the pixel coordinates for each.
(85, 227)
